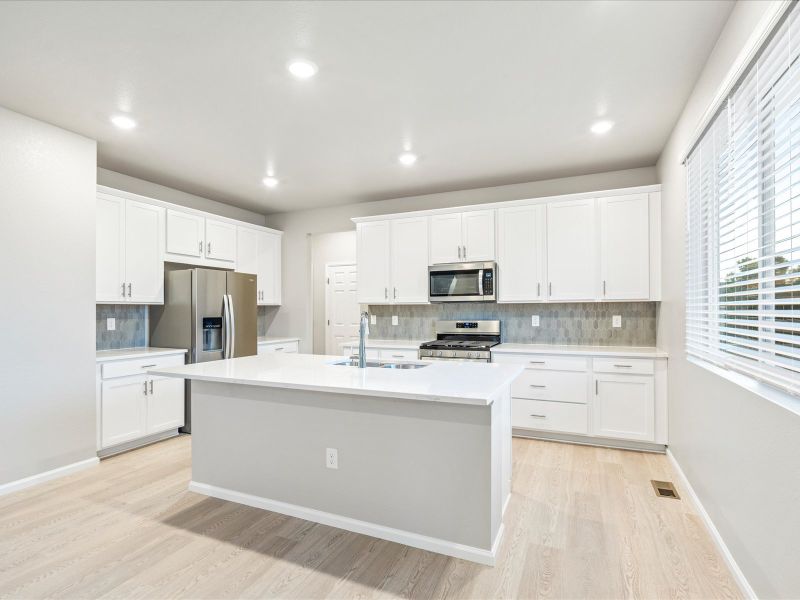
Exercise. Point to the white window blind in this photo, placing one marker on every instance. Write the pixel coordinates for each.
(743, 222)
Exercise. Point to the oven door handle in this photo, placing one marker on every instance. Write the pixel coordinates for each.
(480, 282)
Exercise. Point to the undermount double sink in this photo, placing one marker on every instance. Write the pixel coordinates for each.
(353, 362)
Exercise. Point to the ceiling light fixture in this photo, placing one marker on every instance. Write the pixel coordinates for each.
(407, 158)
(270, 181)
(601, 127)
(123, 121)
(302, 69)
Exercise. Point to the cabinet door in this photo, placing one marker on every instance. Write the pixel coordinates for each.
(409, 256)
(165, 404)
(110, 249)
(185, 233)
(269, 268)
(624, 407)
(445, 239)
(521, 253)
(247, 252)
(220, 240)
(625, 247)
(477, 238)
(144, 252)
(373, 262)
(123, 407)
(572, 250)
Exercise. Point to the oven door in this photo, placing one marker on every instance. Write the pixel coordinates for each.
(459, 282)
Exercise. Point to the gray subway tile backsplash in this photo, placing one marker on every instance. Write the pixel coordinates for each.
(585, 323)
(131, 326)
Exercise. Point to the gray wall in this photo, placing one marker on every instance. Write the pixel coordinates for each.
(135, 185)
(586, 323)
(295, 315)
(47, 359)
(740, 451)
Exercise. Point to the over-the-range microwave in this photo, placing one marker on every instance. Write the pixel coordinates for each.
(462, 282)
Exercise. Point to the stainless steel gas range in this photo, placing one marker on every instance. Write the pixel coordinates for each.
(462, 340)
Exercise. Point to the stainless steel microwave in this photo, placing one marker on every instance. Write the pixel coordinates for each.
(462, 282)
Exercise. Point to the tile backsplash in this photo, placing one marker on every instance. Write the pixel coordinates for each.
(585, 323)
(131, 326)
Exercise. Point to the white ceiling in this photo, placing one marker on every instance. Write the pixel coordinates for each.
(486, 93)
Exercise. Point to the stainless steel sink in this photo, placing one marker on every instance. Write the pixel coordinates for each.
(403, 365)
(353, 362)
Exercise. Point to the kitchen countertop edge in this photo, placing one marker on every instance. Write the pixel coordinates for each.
(129, 353)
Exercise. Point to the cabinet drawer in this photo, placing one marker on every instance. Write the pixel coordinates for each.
(549, 416)
(286, 348)
(394, 354)
(557, 386)
(550, 363)
(635, 366)
(139, 366)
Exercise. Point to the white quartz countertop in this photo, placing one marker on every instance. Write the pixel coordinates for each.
(619, 351)
(451, 382)
(388, 344)
(267, 339)
(128, 353)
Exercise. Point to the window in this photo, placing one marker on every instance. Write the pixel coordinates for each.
(743, 222)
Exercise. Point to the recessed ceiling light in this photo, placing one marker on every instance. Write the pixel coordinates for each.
(601, 127)
(407, 158)
(123, 121)
(270, 181)
(302, 69)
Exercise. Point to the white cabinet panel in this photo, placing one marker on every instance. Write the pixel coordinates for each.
(445, 238)
(124, 408)
(625, 247)
(373, 262)
(269, 269)
(549, 416)
(281, 347)
(220, 240)
(185, 234)
(110, 249)
(572, 250)
(554, 386)
(144, 252)
(521, 253)
(165, 404)
(477, 238)
(247, 251)
(624, 407)
(409, 258)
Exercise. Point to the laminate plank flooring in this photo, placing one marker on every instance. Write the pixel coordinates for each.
(583, 522)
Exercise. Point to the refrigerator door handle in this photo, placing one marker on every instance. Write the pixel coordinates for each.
(226, 319)
(233, 324)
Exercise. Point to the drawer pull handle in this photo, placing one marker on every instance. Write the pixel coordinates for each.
(397, 356)
(148, 366)
(537, 362)
(280, 349)
(533, 385)
(539, 416)
(624, 366)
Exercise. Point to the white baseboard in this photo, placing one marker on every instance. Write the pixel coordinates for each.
(471, 553)
(21, 484)
(738, 575)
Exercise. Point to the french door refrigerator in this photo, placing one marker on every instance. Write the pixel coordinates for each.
(211, 313)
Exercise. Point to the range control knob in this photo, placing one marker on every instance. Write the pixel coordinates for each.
(439, 353)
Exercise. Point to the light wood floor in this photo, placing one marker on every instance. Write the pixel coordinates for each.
(583, 523)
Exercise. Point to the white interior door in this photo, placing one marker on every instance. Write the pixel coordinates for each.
(572, 244)
(477, 235)
(373, 262)
(185, 233)
(110, 249)
(521, 254)
(625, 247)
(341, 306)
(409, 256)
(144, 252)
(220, 240)
(445, 238)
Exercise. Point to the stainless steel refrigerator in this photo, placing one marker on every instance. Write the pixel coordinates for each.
(212, 313)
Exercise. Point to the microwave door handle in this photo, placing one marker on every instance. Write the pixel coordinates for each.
(480, 282)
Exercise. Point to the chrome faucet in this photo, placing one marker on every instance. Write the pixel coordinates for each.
(363, 332)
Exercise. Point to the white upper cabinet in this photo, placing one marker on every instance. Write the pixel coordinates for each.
(110, 249)
(269, 268)
(220, 241)
(572, 265)
(129, 251)
(409, 260)
(144, 252)
(247, 250)
(477, 236)
(462, 237)
(521, 253)
(373, 249)
(185, 235)
(625, 247)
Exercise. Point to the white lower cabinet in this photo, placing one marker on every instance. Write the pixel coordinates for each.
(124, 410)
(624, 407)
(165, 404)
(549, 416)
(287, 347)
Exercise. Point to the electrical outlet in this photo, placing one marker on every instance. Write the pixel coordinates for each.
(534, 320)
(332, 458)
(111, 324)
(373, 319)
(395, 320)
(616, 321)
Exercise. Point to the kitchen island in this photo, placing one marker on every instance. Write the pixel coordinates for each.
(416, 456)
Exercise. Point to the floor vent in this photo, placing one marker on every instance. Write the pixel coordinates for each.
(665, 489)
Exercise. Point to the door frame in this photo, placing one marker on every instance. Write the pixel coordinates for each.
(328, 267)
